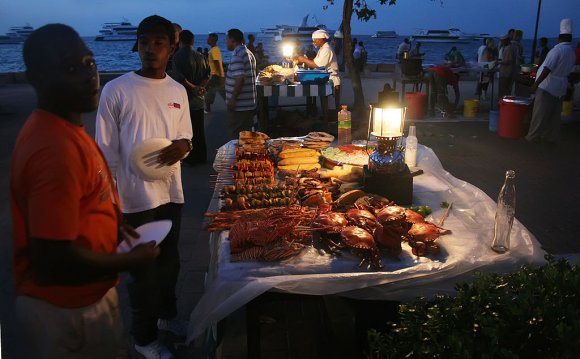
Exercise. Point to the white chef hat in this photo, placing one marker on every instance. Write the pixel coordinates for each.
(566, 26)
(320, 34)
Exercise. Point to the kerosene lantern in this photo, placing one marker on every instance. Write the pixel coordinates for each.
(386, 173)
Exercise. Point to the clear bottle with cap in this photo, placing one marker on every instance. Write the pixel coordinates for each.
(504, 216)
(344, 126)
(411, 147)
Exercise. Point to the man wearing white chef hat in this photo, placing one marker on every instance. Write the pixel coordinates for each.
(551, 86)
(324, 58)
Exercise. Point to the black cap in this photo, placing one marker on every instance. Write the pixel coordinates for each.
(157, 24)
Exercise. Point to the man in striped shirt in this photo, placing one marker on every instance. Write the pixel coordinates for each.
(240, 85)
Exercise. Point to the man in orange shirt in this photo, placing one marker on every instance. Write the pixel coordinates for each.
(65, 216)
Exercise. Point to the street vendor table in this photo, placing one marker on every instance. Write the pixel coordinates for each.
(264, 92)
(230, 286)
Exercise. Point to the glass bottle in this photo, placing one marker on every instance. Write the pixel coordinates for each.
(504, 216)
(411, 148)
(344, 126)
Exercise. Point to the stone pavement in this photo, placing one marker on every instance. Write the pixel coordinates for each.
(548, 205)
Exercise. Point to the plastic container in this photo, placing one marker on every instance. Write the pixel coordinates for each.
(470, 108)
(312, 77)
(344, 126)
(416, 104)
(493, 120)
(512, 111)
(567, 107)
(411, 148)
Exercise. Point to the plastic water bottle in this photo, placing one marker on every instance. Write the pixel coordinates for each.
(411, 148)
(504, 216)
(344, 126)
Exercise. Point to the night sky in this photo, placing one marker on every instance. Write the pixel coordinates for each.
(202, 16)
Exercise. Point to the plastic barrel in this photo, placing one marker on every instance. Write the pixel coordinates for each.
(493, 120)
(416, 103)
(470, 108)
(512, 112)
(567, 107)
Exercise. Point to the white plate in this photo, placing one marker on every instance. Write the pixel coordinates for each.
(144, 160)
(152, 231)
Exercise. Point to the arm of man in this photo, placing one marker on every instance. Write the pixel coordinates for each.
(54, 220)
(239, 85)
(107, 128)
(182, 143)
(549, 63)
(61, 262)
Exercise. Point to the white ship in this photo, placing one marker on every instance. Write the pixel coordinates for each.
(450, 35)
(385, 34)
(16, 34)
(117, 31)
(301, 33)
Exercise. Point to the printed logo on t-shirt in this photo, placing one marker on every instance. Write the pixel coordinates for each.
(174, 105)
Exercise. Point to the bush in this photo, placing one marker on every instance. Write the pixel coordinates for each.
(531, 313)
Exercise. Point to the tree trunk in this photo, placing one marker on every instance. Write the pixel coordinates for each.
(359, 99)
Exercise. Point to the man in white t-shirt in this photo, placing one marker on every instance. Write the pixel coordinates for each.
(133, 108)
(324, 58)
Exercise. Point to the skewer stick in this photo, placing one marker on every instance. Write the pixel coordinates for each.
(445, 215)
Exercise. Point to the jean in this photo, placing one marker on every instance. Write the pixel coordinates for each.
(152, 289)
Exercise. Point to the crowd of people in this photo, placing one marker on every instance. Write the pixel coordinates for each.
(75, 198)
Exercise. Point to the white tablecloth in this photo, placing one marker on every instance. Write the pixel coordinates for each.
(231, 285)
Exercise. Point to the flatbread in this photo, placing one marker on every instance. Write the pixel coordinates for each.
(319, 136)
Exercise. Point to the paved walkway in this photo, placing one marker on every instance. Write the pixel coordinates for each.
(547, 185)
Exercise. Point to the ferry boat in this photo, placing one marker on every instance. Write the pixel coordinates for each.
(450, 35)
(16, 34)
(301, 33)
(384, 34)
(117, 31)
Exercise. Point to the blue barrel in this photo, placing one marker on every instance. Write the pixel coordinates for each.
(493, 120)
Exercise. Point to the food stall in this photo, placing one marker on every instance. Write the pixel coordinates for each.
(287, 80)
(290, 215)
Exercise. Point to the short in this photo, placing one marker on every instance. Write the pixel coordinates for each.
(47, 331)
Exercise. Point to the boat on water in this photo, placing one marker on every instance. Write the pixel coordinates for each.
(384, 34)
(16, 34)
(449, 35)
(301, 33)
(117, 31)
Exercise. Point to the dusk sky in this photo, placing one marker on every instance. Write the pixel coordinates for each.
(202, 16)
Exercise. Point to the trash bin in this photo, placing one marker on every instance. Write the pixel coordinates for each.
(416, 104)
(512, 111)
(470, 108)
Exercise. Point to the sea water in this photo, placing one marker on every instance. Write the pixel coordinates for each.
(117, 55)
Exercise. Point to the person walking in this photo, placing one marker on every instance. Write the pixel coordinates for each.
(486, 76)
(190, 70)
(240, 85)
(439, 78)
(66, 220)
(509, 67)
(550, 86)
(216, 82)
(135, 107)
